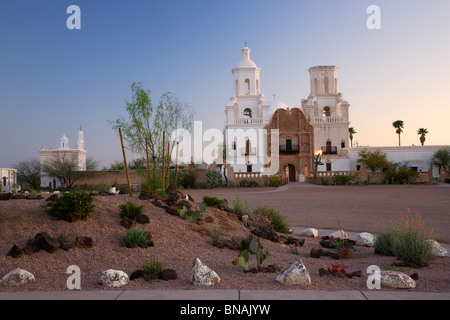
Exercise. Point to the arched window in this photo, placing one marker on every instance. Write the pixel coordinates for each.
(325, 85)
(342, 144)
(257, 86)
(247, 87)
(335, 85)
(236, 87)
(326, 112)
(248, 113)
(315, 85)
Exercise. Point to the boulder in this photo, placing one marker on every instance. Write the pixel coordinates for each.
(345, 253)
(169, 274)
(48, 244)
(309, 232)
(340, 234)
(113, 278)
(15, 252)
(17, 277)
(437, 249)
(145, 196)
(137, 274)
(314, 253)
(203, 275)
(295, 274)
(365, 239)
(67, 245)
(396, 280)
(84, 242)
(172, 210)
(142, 219)
(31, 249)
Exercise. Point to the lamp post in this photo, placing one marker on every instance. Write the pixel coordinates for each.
(317, 162)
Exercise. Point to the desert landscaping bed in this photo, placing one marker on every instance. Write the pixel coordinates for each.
(176, 243)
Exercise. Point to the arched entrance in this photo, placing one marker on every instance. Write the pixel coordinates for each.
(291, 170)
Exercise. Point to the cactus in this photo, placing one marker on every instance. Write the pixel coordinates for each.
(243, 257)
(242, 260)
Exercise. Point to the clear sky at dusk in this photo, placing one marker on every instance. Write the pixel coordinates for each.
(52, 79)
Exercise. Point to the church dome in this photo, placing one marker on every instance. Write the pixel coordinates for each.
(275, 105)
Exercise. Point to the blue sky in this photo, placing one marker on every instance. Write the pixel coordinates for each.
(52, 80)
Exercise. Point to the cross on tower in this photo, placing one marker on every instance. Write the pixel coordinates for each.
(274, 96)
(245, 43)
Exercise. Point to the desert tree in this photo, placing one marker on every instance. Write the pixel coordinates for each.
(146, 122)
(374, 160)
(66, 169)
(441, 159)
(398, 125)
(29, 173)
(422, 132)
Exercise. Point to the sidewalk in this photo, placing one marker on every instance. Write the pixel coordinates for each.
(227, 295)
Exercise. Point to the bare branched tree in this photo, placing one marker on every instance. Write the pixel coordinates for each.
(66, 168)
(29, 173)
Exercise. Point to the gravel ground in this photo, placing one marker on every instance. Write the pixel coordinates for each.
(177, 243)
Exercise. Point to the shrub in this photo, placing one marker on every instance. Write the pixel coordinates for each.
(410, 244)
(447, 180)
(187, 178)
(135, 237)
(406, 240)
(277, 221)
(384, 242)
(274, 181)
(342, 179)
(153, 265)
(213, 178)
(130, 210)
(241, 206)
(79, 203)
(212, 201)
(215, 235)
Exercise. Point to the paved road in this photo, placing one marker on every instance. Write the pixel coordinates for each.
(352, 208)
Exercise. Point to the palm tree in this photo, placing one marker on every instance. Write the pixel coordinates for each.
(422, 132)
(398, 125)
(351, 132)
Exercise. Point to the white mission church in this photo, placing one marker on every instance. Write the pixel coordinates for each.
(321, 124)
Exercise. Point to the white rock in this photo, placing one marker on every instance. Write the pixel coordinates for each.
(437, 249)
(17, 277)
(339, 234)
(309, 232)
(295, 274)
(365, 239)
(203, 275)
(113, 278)
(396, 280)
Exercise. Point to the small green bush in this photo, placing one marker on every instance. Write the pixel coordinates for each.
(342, 179)
(406, 240)
(277, 221)
(213, 178)
(215, 235)
(384, 242)
(212, 201)
(241, 206)
(153, 265)
(191, 215)
(135, 237)
(130, 210)
(274, 181)
(79, 203)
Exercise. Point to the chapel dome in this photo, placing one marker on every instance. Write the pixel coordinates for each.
(275, 105)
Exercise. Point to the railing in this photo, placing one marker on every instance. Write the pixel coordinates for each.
(248, 175)
(327, 119)
(247, 121)
(289, 149)
(329, 150)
